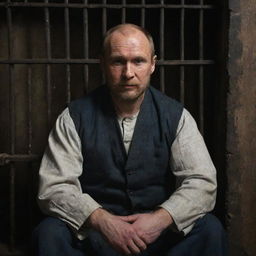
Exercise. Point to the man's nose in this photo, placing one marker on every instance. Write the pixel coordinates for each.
(128, 71)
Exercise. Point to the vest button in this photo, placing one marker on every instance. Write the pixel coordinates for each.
(129, 172)
(130, 192)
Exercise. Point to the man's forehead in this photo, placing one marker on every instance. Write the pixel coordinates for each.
(133, 39)
(127, 32)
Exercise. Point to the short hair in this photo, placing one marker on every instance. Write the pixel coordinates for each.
(141, 29)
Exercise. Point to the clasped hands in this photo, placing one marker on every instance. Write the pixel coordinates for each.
(130, 234)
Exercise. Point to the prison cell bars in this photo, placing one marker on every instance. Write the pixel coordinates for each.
(104, 17)
(142, 20)
(13, 157)
(123, 11)
(48, 66)
(13, 126)
(104, 25)
(161, 29)
(96, 61)
(106, 5)
(182, 49)
(29, 148)
(86, 47)
(201, 70)
(67, 40)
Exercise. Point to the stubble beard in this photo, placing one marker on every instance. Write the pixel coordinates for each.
(128, 98)
(131, 98)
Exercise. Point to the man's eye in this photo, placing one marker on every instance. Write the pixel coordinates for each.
(139, 61)
(117, 62)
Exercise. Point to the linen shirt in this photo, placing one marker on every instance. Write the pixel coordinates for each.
(60, 192)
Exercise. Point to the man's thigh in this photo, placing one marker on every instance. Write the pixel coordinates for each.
(207, 233)
(207, 238)
(96, 245)
(53, 237)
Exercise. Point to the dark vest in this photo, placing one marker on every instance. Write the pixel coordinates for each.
(134, 182)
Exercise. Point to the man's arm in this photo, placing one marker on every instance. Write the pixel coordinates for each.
(196, 186)
(60, 193)
(195, 174)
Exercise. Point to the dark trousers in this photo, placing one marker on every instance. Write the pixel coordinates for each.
(52, 237)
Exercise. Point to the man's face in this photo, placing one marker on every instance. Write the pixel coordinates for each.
(128, 65)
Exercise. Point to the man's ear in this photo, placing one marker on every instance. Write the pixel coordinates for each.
(153, 63)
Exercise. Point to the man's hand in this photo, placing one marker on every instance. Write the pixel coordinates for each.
(120, 234)
(149, 226)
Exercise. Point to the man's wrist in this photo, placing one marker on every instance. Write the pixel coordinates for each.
(93, 220)
(164, 216)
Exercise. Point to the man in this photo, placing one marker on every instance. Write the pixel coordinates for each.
(126, 170)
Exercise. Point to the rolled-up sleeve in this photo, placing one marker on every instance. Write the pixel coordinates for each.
(195, 173)
(60, 192)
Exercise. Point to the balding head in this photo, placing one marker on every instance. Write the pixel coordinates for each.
(128, 62)
(127, 30)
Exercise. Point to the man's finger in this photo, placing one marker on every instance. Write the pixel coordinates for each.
(126, 251)
(133, 247)
(132, 218)
(124, 218)
(140, 243)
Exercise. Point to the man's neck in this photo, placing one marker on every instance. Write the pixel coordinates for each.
(127, 108)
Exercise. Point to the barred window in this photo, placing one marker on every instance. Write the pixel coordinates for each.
(49, 55)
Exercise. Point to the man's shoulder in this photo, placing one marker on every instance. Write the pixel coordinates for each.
(82, 104)
(163, 99)
(169, 112)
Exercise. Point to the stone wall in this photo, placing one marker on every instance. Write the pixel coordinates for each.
(241, 128)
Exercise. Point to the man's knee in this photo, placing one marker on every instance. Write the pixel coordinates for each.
(210, 232)
(49, 233)
(207, 238)
(51, 229)
(51, 237)
(210, 227)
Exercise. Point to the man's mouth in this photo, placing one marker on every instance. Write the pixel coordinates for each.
(128, 85)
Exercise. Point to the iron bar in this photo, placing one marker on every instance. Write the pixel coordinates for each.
(68, 93)
(104, 28)
(162, 78)
(123, 11)
(12, 208)
(185, 62)
(105, 5)
(96, 61)
(48, 67)
(182, 54)
(142, 21)
(49, 61)
(13, 127)
(49, 94)
(85, 47)
(29, 109)
(201, 70)
(12, 158)
(29, 150)
(104, 18)
(67, 41)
